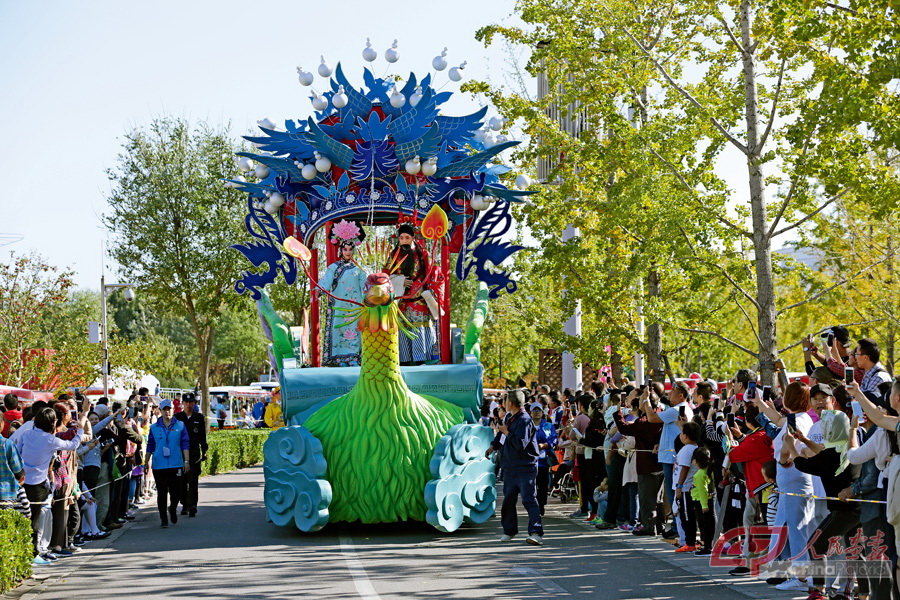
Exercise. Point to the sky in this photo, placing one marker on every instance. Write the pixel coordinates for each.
(75, 76)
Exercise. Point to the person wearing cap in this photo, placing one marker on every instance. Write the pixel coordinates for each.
(195, 423)
(546, 437)
(168, 451)
(821, 398)
(516, 444)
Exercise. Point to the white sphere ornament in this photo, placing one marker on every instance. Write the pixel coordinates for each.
(478, 202)
(430, 167)
(392, 55)
(276, 199)
(413, 166)
(455, 74)
(305, 77)
(270, 208)
(397, 99)
(369, 54)
(440, 62)
(489, 141)
(340, 99)
(240, 179)
(324, 68)
(523, 182)
(502, 139)
(416, 96)
(496, 123)
(267, 123)
(309, 172)
(323, 165)
(319, 102)
(245, 164)
(480, 135)
(261, 171)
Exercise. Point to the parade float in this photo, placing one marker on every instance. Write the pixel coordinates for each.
(378, 442)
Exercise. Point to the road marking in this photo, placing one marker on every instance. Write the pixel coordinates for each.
(357, 571)
(540, 579)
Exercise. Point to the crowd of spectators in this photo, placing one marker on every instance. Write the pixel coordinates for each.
(787, 481)
(78, 470)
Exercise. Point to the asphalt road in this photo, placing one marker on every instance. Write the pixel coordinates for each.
(230, 550)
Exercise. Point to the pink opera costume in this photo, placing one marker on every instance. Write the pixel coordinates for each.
(345, 279)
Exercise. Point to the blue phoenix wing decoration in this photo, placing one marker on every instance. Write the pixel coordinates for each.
(282, 166)
(482, 246)
(463, 167)
(375, 158)
(456, 131)
(339, 154)
(283, 143)
(264, 250)
(426, 146)
(357, 104)
(503, 193)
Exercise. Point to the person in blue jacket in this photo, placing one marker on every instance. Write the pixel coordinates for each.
(516, 445)
(546, 438)
(168, 451)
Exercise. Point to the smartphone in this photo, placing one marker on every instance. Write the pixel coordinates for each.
(767, 392)
(830, 340)
(751, 390)
(131, 413)
(792, 422)
(730, 419)
(648, 381)
(681, 412)
(848, 375)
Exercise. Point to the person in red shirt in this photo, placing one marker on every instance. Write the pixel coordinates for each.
(752, 450)
(11, 412)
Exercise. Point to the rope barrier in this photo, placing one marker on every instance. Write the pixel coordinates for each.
(814, 497)
(85, 491)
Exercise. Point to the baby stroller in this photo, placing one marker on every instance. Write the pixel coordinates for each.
(566, 489)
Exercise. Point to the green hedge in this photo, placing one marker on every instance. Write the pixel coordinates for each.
(232, 449)
(15, 549)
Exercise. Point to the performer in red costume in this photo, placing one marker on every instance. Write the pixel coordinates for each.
(412, 262)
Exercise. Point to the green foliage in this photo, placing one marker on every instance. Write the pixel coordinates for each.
(44, 323)
(232, 449)
(661, 99)
(16, 549)
(174, 223)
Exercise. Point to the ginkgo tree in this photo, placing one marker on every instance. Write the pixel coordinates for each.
(797, 94)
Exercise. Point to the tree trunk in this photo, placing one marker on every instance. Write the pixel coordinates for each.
(891, 330)
(765, 289)
(616, 368)
(654, 332)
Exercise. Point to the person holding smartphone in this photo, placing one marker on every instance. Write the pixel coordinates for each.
(796, 513)
(669, 417)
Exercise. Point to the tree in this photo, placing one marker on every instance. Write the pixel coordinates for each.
(798, 92)
(29, 287)
(174, 221)
(44, 330)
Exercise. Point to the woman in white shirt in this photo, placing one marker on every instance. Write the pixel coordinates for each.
(795, 513)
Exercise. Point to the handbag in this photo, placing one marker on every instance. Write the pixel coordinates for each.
(551, 458)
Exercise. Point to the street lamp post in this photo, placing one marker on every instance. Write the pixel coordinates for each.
(105, 290)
